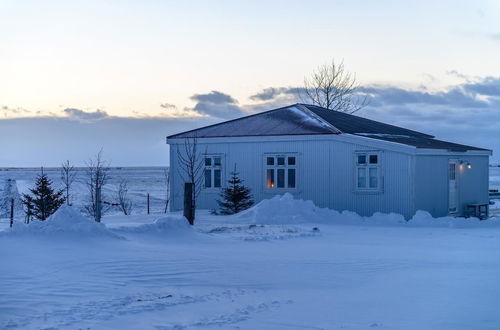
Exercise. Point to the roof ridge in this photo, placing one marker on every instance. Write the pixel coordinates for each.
(304, 109)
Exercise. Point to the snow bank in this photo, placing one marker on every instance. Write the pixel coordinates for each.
(425, 219)
(171, 225)
(66, 221)
(284, 209)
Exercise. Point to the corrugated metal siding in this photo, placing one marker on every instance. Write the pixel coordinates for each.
(325, 174)
(431, 182)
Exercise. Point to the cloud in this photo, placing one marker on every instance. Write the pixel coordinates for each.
(171, 111)
(494, 36)
(77, 114)
(381, 95)
(489, 86)
(168, 106)
(7, 111)
(214, 97)
(268, 94)
(217, 104)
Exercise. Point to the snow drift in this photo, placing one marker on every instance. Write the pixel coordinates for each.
(284, 209)
(66, 221)
(170, 225)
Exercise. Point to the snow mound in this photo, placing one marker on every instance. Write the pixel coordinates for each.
(425, 219)
(284, 209)
(174, 225)
(65, 221)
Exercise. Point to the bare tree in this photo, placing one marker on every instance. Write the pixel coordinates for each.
(332, 87)
(123, 198)
(190, 167)
(97, 177)
(166, 177)
(68, 176)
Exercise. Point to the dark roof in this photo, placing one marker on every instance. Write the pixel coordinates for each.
(352, 124)
(423, 142)
(282, 121)
(304, 119)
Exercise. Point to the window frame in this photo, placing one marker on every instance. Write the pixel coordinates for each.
(285, 167)
(212, 167)
(366, 167)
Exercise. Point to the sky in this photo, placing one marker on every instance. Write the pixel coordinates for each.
(78, 76)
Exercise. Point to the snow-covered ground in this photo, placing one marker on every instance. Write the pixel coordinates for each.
(284, 264)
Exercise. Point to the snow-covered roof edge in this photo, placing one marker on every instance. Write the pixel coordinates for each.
(311, 114)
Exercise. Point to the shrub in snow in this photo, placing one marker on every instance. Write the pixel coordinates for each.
(236, 197)
(43, 200)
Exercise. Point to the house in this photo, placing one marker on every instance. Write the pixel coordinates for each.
(337, 160)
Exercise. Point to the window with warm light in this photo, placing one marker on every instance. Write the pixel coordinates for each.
(280, 171)
(213, 171)
(367, 171)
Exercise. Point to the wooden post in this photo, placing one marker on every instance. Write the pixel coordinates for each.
(188, 202)
(11, 212)
(148, 203)
(97, 203)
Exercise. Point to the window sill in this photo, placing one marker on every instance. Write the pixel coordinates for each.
(280, 190)
(368, 192)
(211, 190)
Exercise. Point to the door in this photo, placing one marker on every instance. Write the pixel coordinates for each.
(452, 186)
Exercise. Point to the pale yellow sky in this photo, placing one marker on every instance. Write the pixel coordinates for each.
(128, 57)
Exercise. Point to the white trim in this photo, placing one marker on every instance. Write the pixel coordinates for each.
(366, 166)
(347, 138)
(440, 152)
(212, 168)
(343, 137)
(276, 167)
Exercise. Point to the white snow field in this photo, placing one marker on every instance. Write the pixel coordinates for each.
(284, 264)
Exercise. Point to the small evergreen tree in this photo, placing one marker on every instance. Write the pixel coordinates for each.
(236, 197)
(43, 200)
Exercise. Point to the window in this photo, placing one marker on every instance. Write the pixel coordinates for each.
(367, 171)
(281, 171)
(213, 172)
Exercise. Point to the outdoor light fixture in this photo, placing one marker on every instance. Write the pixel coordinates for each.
(469, 165)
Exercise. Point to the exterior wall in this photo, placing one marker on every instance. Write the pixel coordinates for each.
(431, 178)
(325, 173)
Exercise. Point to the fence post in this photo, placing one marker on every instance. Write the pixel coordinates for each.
(98, 205)
(148, 203)
(11, 212)
(188, 202)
